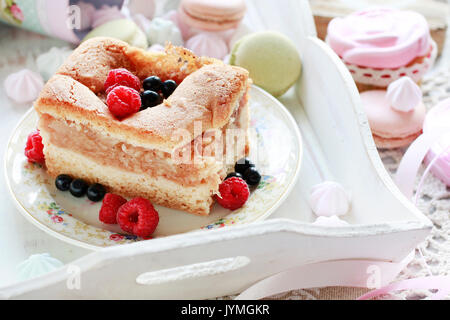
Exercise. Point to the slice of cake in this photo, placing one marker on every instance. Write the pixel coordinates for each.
(175, 154)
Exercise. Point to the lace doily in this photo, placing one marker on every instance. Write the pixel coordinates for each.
(432, 256)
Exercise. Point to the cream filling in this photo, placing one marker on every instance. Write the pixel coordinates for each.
(110, 151)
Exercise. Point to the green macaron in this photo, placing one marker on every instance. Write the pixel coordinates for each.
(271, 58)
(122, 29)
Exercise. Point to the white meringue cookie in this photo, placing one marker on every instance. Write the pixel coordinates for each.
(106, 14)
(208, 44)
(332, 221)
(49, 62)
(328, 199)
(37, 265)
(161, 30)
(404, 94)
(87, 12)
(144, 7)
(23, 86)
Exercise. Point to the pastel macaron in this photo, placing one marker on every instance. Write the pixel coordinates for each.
(122, 29)
(217, 15)
(395, 116)
(271, 58)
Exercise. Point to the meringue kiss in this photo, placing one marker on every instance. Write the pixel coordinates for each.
(23, 86)
(329, 199)
(49, 62)
(208, 44)
(404, 94)
(37, 265)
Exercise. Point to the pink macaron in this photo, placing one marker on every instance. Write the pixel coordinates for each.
(217, 15)
(395, 116)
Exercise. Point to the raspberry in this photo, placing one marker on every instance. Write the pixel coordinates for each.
(34, 149)
(121, 77)
(234, 193)
(123, 101)
(138, 217)
(110, 206)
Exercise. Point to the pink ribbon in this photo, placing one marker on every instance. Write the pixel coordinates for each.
(345, 273)
(413, 158)
(441, 283)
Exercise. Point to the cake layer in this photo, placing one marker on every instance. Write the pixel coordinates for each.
(208, 97)
(90, 63)
(106, 150)
(196, 199)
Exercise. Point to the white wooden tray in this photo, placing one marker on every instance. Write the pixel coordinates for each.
(385, 226)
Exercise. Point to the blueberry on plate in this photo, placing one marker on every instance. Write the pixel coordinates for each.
(78, 188)
(242, 165)
(234, 174)
(168, 88)
(62, 182)
(149, 99)
(152, 83)
(96, 192)
(252, 176)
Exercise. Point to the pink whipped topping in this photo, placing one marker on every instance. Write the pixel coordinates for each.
(380, 37)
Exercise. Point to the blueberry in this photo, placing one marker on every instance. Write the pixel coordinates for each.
(252, 176)
(168, 88)
(149, 99)
(234, 174)
(63, 181)
(242, 165)
(96, 192)
(78, 188)
(153, 83)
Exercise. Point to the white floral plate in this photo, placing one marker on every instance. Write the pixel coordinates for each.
(276, 140)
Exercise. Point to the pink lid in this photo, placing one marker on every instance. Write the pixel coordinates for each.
(380, 37)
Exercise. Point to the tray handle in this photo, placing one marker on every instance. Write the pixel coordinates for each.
(197, 270)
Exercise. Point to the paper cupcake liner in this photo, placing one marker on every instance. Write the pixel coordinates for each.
(383, 77)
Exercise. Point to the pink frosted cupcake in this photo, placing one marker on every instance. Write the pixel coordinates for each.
(381, 45)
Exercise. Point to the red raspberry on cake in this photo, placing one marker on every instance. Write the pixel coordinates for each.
(121, 77)
(123, 101)
(139, 217)
(233, 193)
(110, 206)
(34, 149)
